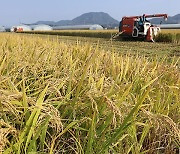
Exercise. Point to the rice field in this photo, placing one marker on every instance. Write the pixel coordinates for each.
(81, 33)
(171, 35)
(77, 97)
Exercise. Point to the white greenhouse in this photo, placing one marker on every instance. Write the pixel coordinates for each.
(21, 28)
(79, 27)
(170, 26)
(42, 28)
(2, 29)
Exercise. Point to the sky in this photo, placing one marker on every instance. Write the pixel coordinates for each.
(21, 11)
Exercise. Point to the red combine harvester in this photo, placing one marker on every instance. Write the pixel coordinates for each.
(139, 27)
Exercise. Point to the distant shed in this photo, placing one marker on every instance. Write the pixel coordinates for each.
(21, 28)
(42, 28)
(2, 29)
(79, 27)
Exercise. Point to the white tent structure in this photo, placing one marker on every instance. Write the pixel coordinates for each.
(2, 29)
(79, 27)
(96, 27)
(42, 28)
(21, 28)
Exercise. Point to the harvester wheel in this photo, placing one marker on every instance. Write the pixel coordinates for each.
(135, 32)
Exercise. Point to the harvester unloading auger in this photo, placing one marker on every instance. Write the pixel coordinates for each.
(138, 27)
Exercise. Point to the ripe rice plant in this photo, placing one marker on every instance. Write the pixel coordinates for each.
(60, 97)
(168, 37)
(81, 33)
(175, 31)
(172, 36)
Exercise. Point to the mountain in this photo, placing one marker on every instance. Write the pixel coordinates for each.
(100, 18)
(63, 23)
(103, 19)
(171, 20)
(45, 22)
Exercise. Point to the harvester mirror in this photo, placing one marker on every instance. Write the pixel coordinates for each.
(166, 17)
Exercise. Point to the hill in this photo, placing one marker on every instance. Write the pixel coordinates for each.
(100, 18)
(103, 19)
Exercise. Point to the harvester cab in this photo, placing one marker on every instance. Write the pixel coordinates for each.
(139, 27)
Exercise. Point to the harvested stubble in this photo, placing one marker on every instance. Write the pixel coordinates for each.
(58, 97)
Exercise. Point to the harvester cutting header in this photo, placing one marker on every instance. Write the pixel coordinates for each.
(139, 27)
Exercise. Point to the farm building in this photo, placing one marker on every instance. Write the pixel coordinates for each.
(42, 28)
(2, 29)
(170, 26)
(21, 28)
(79, 27)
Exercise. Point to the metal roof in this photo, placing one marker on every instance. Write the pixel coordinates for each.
(170, 26)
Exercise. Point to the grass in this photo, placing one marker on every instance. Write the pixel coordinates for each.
(63, 97)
